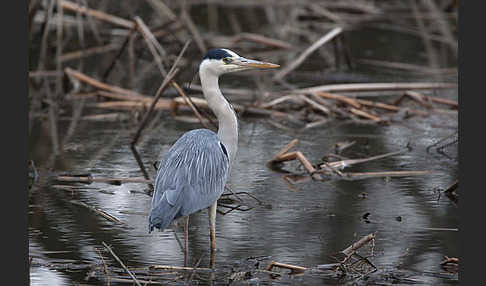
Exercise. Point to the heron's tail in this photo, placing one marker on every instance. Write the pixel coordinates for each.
(162, 215)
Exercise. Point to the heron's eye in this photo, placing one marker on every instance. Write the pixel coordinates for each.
(227, 60)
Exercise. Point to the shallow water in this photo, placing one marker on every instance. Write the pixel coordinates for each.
(303, 223)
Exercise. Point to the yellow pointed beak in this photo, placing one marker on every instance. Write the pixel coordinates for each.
(254, 64)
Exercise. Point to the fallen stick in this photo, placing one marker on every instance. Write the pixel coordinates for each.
(362, 87)
(89, 179)
(98, 84)
(452, 103)
(316, 105)
(348, 100)
(88, 52)
(418, 97)
(357, 175)
(285, 149)
(349, 162)
(350, 250)
(408, 67)
(260, 39)
(307, 165)
(129, 105)
(45, 73)
(125, 97)
(294, 268)
(201, 102)
(67, 5)
(449, 260)
(279, 100)
(299, 156)
(121, 263)
(365, 114)
(170, 267)
(294, 64)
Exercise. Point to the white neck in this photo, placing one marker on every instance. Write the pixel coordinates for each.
(228, 124)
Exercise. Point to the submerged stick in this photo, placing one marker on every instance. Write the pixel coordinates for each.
(98, 211)
(121, 263)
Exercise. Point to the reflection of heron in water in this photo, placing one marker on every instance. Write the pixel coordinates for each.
(193, 173)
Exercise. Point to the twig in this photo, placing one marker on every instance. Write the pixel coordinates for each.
(121, 263)
(153, 45)
(294, 64)
(191, 104)
(97, 14)
(162, 87)
(168, 79)
(119, 54)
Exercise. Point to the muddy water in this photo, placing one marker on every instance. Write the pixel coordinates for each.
(303, 223)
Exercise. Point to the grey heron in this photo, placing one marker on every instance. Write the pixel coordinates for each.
(193, 172)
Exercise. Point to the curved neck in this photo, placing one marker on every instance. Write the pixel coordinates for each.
(227, 121)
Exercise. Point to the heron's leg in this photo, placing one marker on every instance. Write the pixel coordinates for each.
(186, 239)
(212, 231)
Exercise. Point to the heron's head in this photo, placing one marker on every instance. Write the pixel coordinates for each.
(221, 61)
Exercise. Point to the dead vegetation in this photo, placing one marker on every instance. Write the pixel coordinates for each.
(100, 63)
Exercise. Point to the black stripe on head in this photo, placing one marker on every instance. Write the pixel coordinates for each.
(216, 54)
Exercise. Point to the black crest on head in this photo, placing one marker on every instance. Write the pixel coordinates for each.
(216, 54)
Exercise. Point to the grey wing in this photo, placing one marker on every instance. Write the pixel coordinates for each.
(191, 177)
